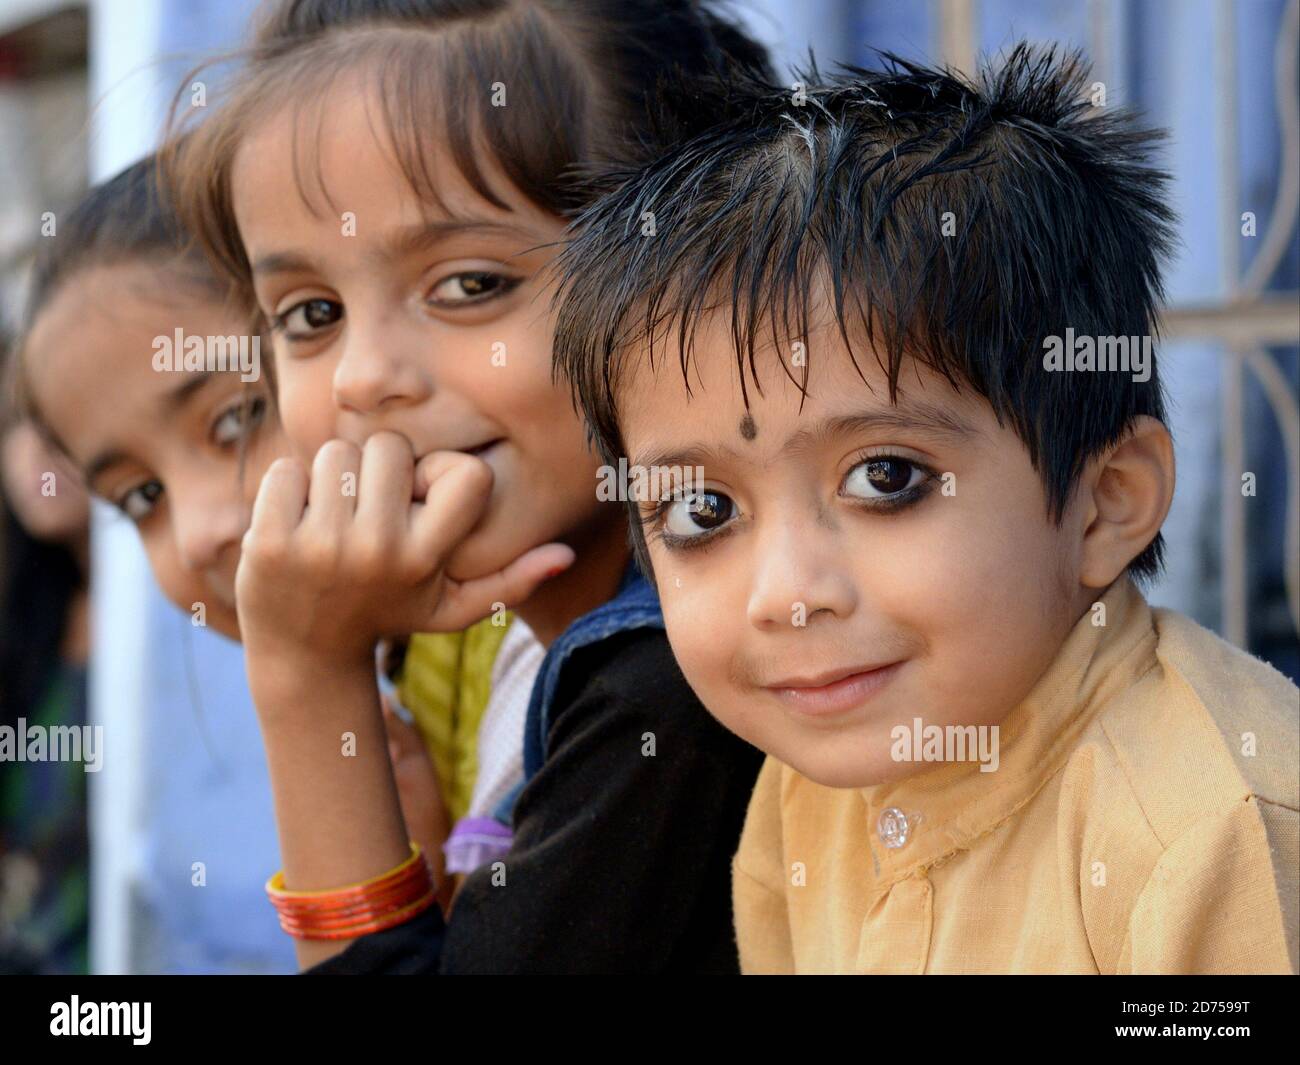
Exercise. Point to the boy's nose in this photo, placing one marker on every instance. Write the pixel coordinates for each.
(798, 577)
(375, 373)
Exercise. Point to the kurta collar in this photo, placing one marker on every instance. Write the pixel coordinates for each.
(945, 809)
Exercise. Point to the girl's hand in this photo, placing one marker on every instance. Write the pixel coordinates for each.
(333, 563)
(423, 809)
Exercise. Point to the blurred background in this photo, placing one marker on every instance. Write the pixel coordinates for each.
(83, 90)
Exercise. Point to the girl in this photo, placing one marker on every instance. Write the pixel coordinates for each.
(386, 181)
(164, 448)
(181, 455)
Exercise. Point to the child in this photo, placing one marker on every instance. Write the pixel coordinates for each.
(44, 640)
(387, 186)
(908, 569)
(166, 449)
(181, 454)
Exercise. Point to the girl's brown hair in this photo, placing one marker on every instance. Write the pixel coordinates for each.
(576, 74)
(124, 219)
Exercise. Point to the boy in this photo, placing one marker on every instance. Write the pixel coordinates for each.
(911, 319)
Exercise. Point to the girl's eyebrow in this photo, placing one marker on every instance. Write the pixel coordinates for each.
(413, 238)
(423, 235)
(170, 402)
(285, 262)
(105, 459)
(183, 392)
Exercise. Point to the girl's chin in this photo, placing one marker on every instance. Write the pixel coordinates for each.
(226, 625)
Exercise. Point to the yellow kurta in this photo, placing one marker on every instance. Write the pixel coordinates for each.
(1142, 819)
(446, 681)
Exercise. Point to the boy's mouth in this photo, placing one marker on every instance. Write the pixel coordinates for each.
(835, 691)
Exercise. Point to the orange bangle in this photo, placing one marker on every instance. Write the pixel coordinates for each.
(355, 909)
(352, 932)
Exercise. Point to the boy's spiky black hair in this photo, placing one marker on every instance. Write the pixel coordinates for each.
(959, 222)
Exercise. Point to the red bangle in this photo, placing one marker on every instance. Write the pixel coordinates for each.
(356, 909)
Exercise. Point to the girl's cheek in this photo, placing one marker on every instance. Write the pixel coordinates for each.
(307, 417)
(522, 386)
(257, 462)
(161, 552)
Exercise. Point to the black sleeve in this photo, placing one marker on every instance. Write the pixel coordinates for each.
(623, 839)
(408, 949)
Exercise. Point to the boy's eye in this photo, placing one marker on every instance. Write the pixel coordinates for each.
(139, 502)
(698, 513)
(238, 421)
(305, 318)
(880, 478)
(470, 287)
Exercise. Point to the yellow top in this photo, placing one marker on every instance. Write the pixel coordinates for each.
(1142, 819)
(445, 682)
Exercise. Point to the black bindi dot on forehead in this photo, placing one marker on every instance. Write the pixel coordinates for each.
(747, 427)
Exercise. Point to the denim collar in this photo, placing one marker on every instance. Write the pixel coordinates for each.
(635, 606)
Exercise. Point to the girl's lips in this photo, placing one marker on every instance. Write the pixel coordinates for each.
(420, 489)
(482, 449)
(837, 696)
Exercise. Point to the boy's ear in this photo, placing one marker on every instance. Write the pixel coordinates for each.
(1127, 493)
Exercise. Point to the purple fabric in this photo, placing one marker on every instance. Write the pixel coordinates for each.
(474, 842)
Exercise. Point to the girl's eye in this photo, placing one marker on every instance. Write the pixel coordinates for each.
(238, 421)
(472, 287)
(139, 502)
(303, 319)
(882, 478)
(698, 513)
